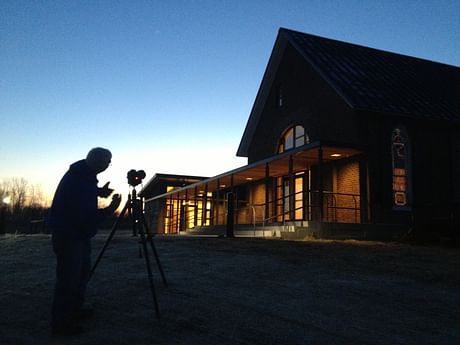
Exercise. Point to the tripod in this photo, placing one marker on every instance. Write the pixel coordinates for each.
(134, 207)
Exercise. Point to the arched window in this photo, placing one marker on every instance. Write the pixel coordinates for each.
(293, 137)
(400, 154)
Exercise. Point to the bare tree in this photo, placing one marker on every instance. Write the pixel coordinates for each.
(35, 197)
(18, 193)
(27, 203)
(21, 193)
(5, 188)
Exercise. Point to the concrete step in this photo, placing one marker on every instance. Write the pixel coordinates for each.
(239, 231)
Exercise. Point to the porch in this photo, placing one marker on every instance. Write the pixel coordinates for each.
(299, 190)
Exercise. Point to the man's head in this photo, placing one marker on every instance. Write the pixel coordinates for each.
(98, 159)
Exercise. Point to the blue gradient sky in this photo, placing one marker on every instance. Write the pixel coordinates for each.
(168, 86)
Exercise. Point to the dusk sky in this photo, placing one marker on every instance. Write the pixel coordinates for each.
(168, 86)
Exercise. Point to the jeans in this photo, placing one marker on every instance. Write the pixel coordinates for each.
(72, 275)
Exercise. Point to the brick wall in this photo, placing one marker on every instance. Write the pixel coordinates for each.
(347, 182)
(257, 197)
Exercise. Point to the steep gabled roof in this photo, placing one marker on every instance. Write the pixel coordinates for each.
(368, 79)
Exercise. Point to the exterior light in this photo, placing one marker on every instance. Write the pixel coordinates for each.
(6, 200)
(336, 155)
(222, 186)
(248, 178)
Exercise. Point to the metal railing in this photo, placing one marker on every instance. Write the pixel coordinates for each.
(309, 207)
(336, 207)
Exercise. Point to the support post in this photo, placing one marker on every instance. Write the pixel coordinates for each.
(230, 215)
(186, 211)
(363, 190)
(217, 203)
(195, 207)
(267, 192)
(205, 205)
(320, 184)
(291, 190)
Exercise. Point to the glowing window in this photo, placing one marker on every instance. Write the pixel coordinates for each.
(293, 137)
(400, 168)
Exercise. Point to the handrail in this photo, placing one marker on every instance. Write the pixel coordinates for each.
(331, 194)
(308, 204)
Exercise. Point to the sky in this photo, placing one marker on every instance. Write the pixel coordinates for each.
(168, 86)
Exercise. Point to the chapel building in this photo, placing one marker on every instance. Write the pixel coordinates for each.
(343, 141)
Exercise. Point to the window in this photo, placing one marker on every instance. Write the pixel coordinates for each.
(401, 168)
(292, 138)
(279, 97)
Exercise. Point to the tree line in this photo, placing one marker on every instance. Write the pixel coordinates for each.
(23, 207)
(20, 203)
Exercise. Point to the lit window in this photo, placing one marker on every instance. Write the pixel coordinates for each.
(292, 138)
(401, 168)
(289, 139)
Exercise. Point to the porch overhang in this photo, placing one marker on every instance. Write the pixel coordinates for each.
(301, 158)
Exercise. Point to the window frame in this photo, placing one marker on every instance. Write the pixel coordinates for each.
(291, 135)
(401, 169)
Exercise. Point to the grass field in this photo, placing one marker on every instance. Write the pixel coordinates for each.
(242, 291)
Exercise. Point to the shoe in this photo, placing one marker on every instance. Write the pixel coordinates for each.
(84, 314)
(67, 330)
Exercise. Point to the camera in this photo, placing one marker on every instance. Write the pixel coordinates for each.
(135, 177)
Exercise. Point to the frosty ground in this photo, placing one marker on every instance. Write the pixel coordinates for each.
(242, 291)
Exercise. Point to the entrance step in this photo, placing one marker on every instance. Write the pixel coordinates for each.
(345, 231)
(239, 231)
(298, 233)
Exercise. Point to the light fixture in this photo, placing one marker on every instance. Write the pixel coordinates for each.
(336, 155)
(248, 178)
(222, 186)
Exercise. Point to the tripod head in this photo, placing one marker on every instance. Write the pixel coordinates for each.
(135, 177)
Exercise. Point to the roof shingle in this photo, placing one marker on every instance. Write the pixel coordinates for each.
(376, 80)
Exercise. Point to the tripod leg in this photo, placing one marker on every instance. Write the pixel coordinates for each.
(154, 250)
(160, 268)
(133, 220)
(149, 271)
(112, 233)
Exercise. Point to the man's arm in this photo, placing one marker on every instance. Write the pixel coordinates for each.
(105, 191)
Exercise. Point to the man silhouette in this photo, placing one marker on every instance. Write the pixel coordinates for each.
(73, 219)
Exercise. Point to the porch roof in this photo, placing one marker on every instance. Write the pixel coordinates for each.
(278, 165)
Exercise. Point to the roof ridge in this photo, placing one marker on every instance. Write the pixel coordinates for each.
(380, 50)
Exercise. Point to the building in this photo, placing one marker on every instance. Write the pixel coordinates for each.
(343, 141)
(160, 211)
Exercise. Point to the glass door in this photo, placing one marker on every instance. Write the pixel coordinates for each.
(292, 198)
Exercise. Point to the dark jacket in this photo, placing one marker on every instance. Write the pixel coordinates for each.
(74, 210)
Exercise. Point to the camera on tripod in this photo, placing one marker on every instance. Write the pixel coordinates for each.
(135, 177)
(134, 207)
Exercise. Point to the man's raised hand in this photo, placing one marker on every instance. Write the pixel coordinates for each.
(105, 191)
